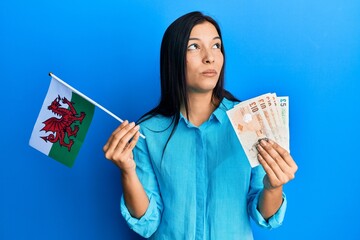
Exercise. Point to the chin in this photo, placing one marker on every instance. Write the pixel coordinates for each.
(207, 89)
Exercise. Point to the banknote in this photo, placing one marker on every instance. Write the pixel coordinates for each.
(250, 125)
(269, 113)
(272, 101)
(284, 113)
(264, 116)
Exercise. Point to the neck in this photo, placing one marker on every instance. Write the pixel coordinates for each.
(201, 106)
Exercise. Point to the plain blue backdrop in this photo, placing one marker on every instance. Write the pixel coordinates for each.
(109, 50)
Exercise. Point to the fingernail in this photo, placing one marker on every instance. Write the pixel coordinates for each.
(263, 142)
(132, 124)
(137, 127)
(261, 139)
(258, 147)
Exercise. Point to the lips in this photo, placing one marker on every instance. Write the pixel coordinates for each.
(209, 73)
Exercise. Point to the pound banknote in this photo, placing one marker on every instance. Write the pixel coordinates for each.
(265, 116)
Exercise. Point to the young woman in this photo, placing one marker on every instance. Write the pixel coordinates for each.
(190, 178)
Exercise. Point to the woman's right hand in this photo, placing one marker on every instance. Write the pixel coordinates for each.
(118, 149)
(119, 146)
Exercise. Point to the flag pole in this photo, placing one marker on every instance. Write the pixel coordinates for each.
(88, 99)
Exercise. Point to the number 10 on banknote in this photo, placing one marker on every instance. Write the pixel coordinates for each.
(265, 116)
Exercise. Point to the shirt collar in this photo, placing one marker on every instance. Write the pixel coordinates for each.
(219, 113)
(183, 118)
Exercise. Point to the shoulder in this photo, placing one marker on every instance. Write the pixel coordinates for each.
(156, 123)
(156, 130)
(227, 104)
(224, 106)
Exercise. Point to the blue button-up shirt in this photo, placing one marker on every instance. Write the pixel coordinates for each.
(202, 186)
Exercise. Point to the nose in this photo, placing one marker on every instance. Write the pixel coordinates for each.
(208, 56)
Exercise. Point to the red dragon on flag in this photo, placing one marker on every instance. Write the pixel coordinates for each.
(60, 127)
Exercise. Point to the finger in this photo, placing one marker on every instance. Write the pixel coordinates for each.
(274, 156)
(124, 142)
(124, 153)
(284, 154)
(116, 138)
(283, 172)
(118, 129)
(133, 141)
(268, 161)
(273, 180)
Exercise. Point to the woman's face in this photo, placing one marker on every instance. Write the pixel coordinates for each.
(204, 59)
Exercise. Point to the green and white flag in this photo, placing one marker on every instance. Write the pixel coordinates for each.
(62, 124)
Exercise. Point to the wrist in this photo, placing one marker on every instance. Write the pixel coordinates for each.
(274, 190)
(128, 173)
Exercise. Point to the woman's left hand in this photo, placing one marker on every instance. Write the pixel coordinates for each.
(278, 164)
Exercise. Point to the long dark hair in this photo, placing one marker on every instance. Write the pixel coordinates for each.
(173, 69)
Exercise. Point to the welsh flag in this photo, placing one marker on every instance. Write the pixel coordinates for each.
(62, 124)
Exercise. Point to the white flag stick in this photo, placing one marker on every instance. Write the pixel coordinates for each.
(89, 99)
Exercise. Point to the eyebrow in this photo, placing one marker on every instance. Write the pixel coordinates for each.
(200, 39)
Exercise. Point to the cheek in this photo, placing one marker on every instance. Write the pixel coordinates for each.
(190, 66)
(220, 61)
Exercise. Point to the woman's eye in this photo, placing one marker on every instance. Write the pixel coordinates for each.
(193, 46)
(217, 45)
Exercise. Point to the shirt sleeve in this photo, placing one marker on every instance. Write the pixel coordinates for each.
(149, 222)
(256, 187)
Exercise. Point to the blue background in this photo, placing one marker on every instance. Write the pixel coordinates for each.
(109, 50)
